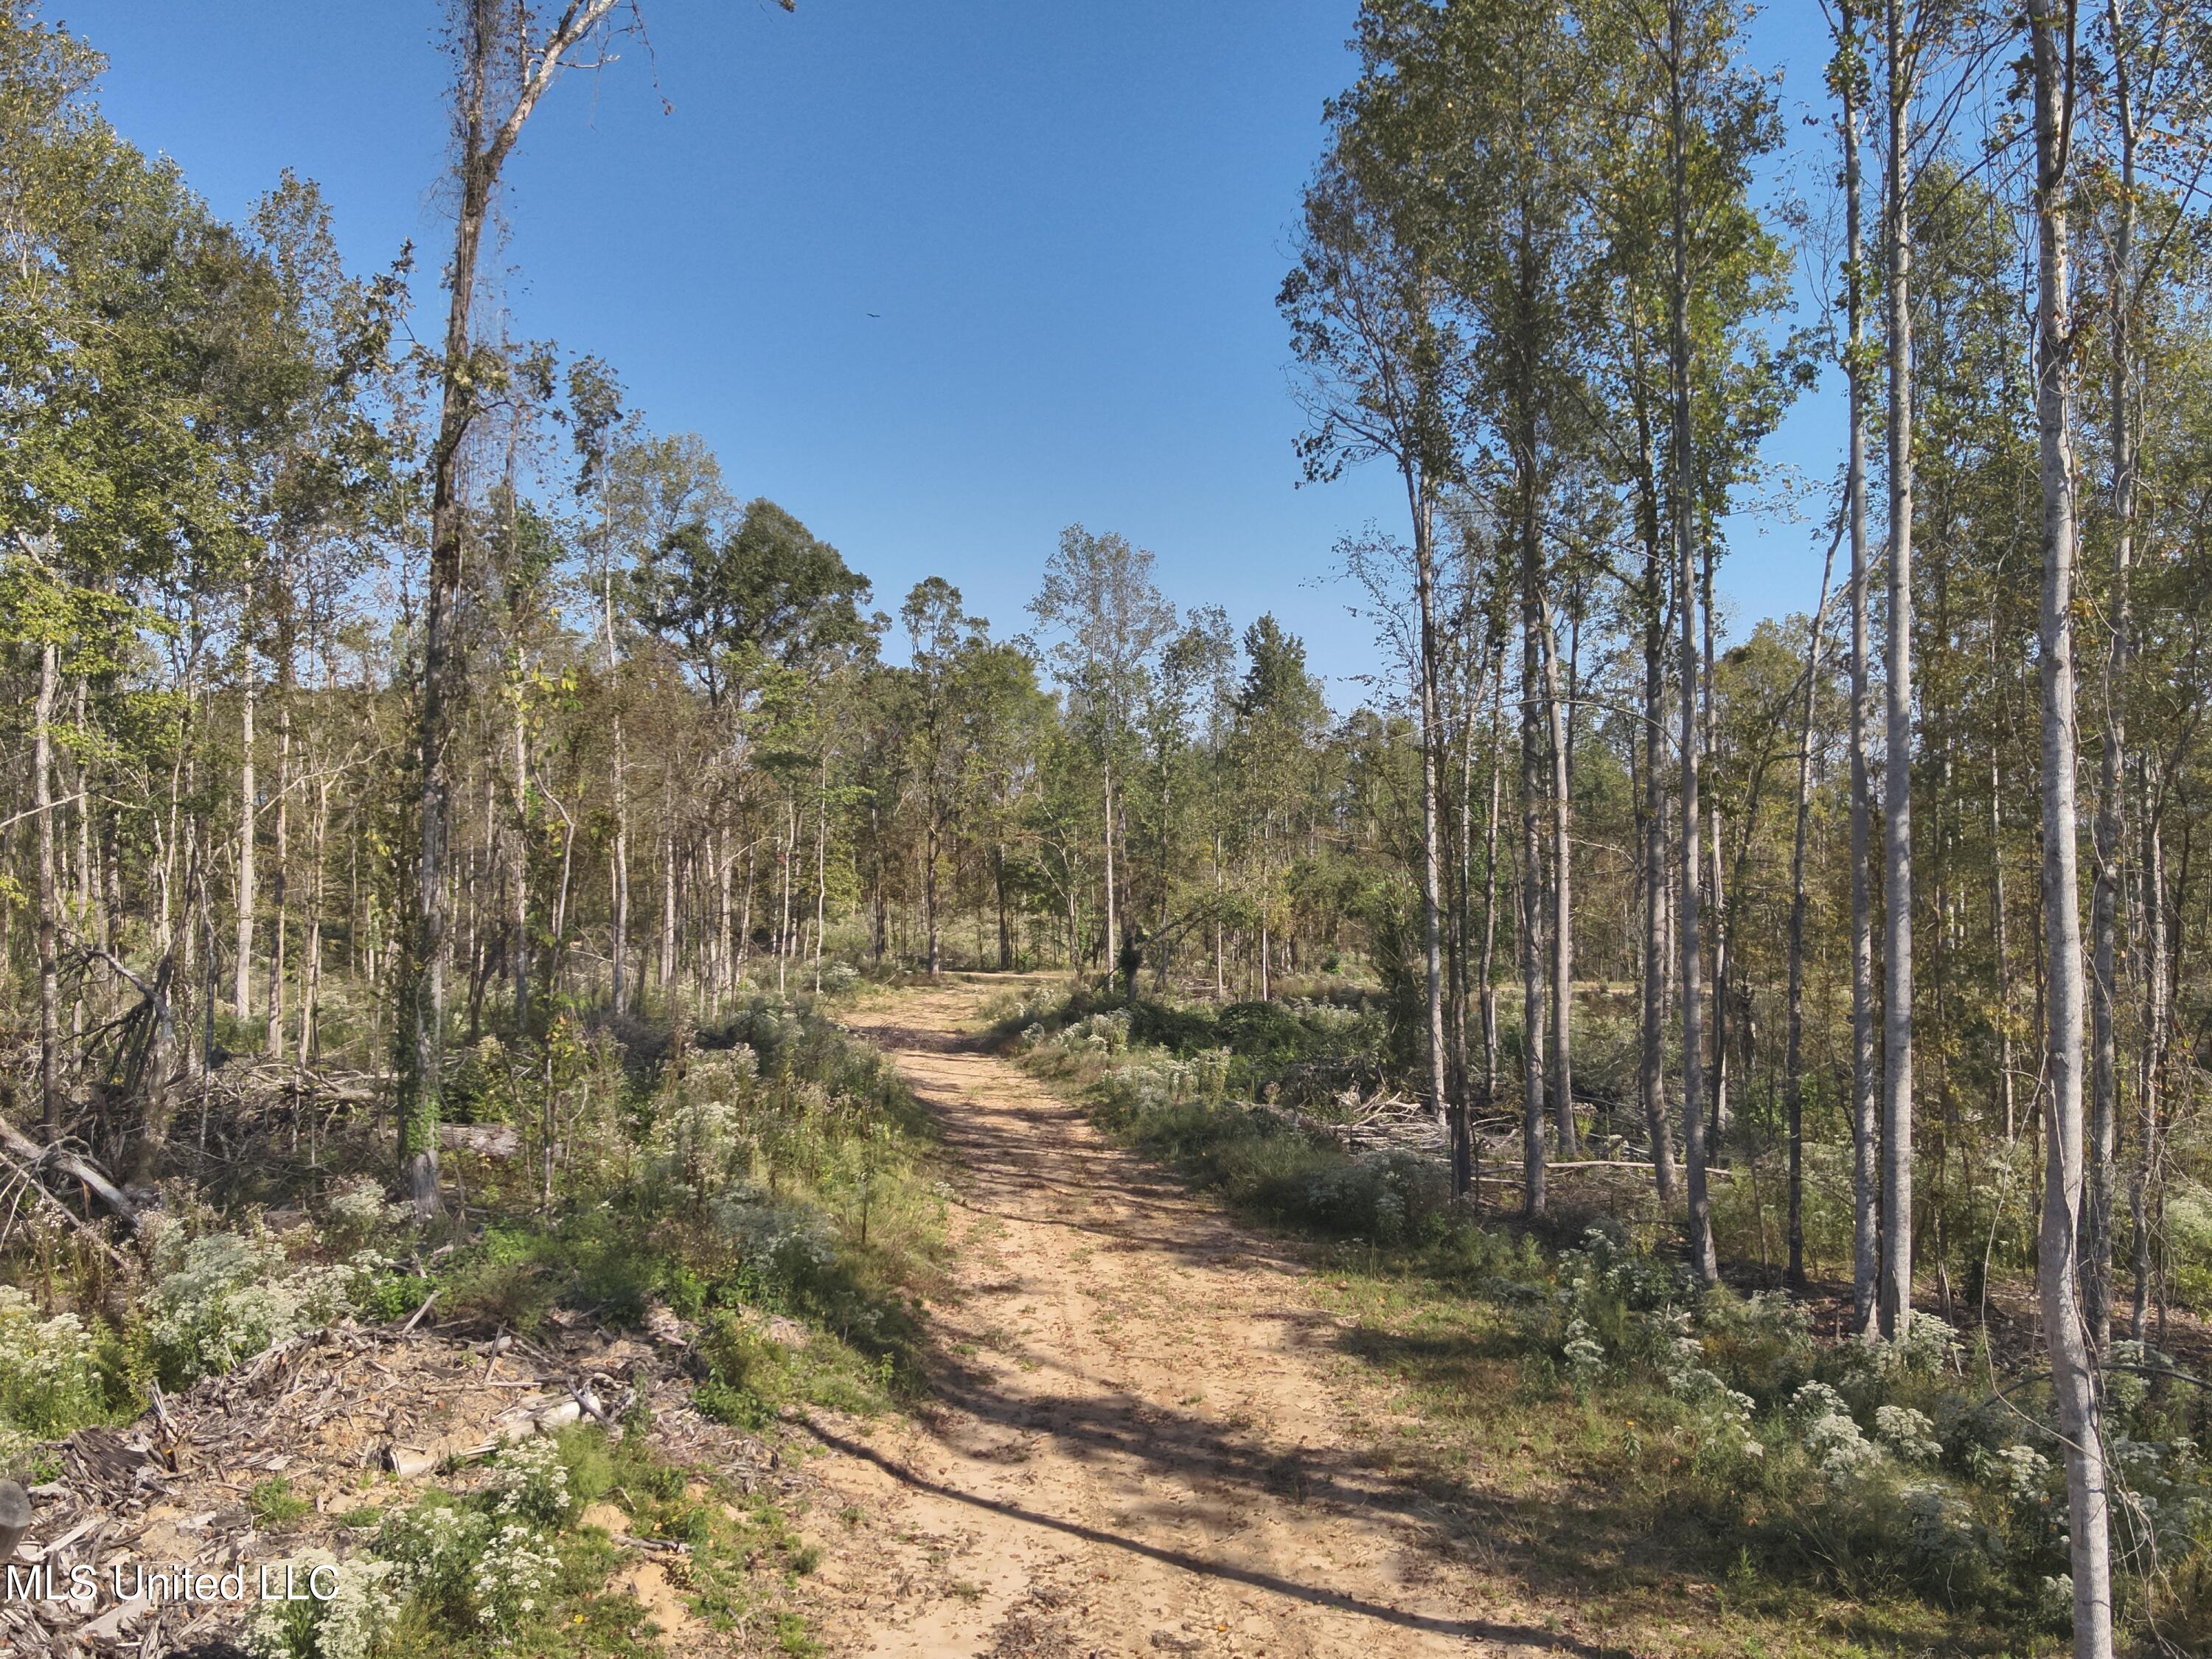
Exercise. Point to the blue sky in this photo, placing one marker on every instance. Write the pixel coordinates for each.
(1069, 219)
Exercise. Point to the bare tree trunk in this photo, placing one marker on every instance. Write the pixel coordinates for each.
(242, 969)
(619, 871)
(50, 990)
(2073, 1376)
(1896, 1301)
(1793, 1063)
(1431, 872)
(311, 965)
(1531, 929)
(2000, 938)
(822, 869)
(280, 869)
(1866, 1213)
(518, 861)
(1112, 920)
(2110, 832)
(2153, 1064)
(1560, 1068)
(1490, 888)
(1684, 495)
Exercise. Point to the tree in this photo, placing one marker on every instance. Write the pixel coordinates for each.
(505, 65)
(1098, 594)
(2065, 1322)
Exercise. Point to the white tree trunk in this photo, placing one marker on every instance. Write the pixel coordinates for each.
(2073, 1376)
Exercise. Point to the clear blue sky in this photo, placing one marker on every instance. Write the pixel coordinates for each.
(1070, 216)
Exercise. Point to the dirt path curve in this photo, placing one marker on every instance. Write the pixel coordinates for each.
(1141, 1442)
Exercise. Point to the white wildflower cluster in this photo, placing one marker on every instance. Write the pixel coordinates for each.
(529, 1482)
(356, 1214)
(1929, 1346)
(1941, 1526)
(346, 1627)
(48, 1381)
(1157, 1078)
(1831, 1436)
(1105, 1033)
(784, 1240)
(1726, 1411)
(2024, 1472)
(1584, 1354)
(1906, 1434)
(513, 1577)
(700, 1143)
(433, 1548)
(220, 1298)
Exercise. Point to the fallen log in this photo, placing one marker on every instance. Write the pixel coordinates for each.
(493, 1140)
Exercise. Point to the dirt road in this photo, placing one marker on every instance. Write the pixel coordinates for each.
(1143, 1440)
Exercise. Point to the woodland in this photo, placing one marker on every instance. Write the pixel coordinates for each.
(408, 753)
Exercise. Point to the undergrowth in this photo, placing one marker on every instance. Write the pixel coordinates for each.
(765, 1180)
(1879, 1495)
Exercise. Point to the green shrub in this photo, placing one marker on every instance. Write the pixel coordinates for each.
(50, 1377)
(223, 1298)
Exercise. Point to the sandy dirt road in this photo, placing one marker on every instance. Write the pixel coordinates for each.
(1143, 1441)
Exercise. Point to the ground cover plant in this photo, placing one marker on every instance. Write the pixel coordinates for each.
(1878, 1493)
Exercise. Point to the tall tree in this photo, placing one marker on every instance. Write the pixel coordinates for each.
(1900, 50)
(506, 63)
(2065, 1322)
(1099, 595)
(1386, 378)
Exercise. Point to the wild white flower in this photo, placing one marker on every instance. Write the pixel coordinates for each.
(225, 1297)
(1908, 1434)
(1585, 1353)
(49, 1383)
(513, 1577)
(530, 1482)
(1832, 1437)
(2024, 1468)
(346, 1627)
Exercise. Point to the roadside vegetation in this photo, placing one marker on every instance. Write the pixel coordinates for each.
(760, 1186)
(1608, 1426)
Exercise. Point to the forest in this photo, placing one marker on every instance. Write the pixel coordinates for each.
(409, 745)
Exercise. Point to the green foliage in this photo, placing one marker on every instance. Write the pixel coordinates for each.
(222, 1297)
(274, 1505)
(50, 1374)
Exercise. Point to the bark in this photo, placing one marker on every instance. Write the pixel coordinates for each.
(1651, 840)
(1113, 918)
(1431, 737)
(1531, 930)
(280, 869)
(2074, 1382)
(42, 786)
(2104, 900)
(1561, 1067)
(1896, 1283)
(519, 859)
(1793, 1064)
(618, 872)
(310, 963)
(1866, 1213)
(1490, 888)
(242, 969)
(1687, 928)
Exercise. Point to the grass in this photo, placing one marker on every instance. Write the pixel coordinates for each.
(740, 1561)
(1628, 1491)
(275, 1505)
